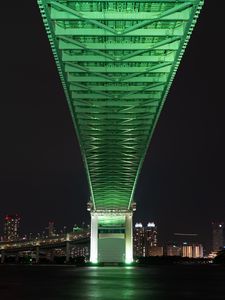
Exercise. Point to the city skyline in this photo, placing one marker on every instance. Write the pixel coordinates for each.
(144, 236)
(42, 175)
(145, 240)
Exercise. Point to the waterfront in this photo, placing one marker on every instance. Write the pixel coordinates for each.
(155, 282)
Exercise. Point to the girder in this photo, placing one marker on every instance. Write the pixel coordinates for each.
(120, 16)
(116, 60)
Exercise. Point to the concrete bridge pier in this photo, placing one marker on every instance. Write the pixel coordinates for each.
(17, 259)
(94, 238)
(2, 257)
(67, 251)
(129, 238)
(111, 236)
(37, 254)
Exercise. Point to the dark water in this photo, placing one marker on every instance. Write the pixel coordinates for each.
(153, 283)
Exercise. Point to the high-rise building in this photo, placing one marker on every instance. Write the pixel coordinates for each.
(138, 239)
(217, 236)
(150, 238)
(144, 238)
(51, 229)
(11, 227)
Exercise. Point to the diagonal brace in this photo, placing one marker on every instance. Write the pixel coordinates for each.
(88, 71)
(81, 16)
(148, 70)
(138, 52)
(158, 18)
(149, 87)
(73, 41)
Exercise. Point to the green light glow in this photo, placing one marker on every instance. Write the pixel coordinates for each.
(108, 220)
(116, 61)
(94, 262)
(128, 261)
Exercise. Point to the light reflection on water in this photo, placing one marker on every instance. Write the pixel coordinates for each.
(153, 283)
(111, 283)
(104, 283)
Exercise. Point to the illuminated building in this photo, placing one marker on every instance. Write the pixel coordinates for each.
(150, 238)
(11, 227)
(192, 251)
(185, 245)
(217, 236)
(155, 251)
(197, 251)
(77, 229)
(51, 229)
(138, 239)
(144, 239)
(80, 250)
(75, 251)
(187, 251)
(173, 250)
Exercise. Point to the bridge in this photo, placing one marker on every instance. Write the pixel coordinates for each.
(36, 245)
(116, 60)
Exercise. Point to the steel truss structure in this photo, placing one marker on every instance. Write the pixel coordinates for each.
(117, 60)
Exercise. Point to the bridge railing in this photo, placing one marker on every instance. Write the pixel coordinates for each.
(22, 243)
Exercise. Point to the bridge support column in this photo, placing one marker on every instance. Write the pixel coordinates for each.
(94, 238)
(111, 236)
(37, 254)
(2, 257)
(67, 252)
(17, 257)
(129, 238)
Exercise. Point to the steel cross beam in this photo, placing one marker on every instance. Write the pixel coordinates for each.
(117, 60)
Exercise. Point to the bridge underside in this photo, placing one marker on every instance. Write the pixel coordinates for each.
(116, 60)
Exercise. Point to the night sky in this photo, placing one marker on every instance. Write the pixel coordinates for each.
(42, 177)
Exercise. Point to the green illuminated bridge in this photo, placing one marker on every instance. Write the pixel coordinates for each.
(116, 60)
